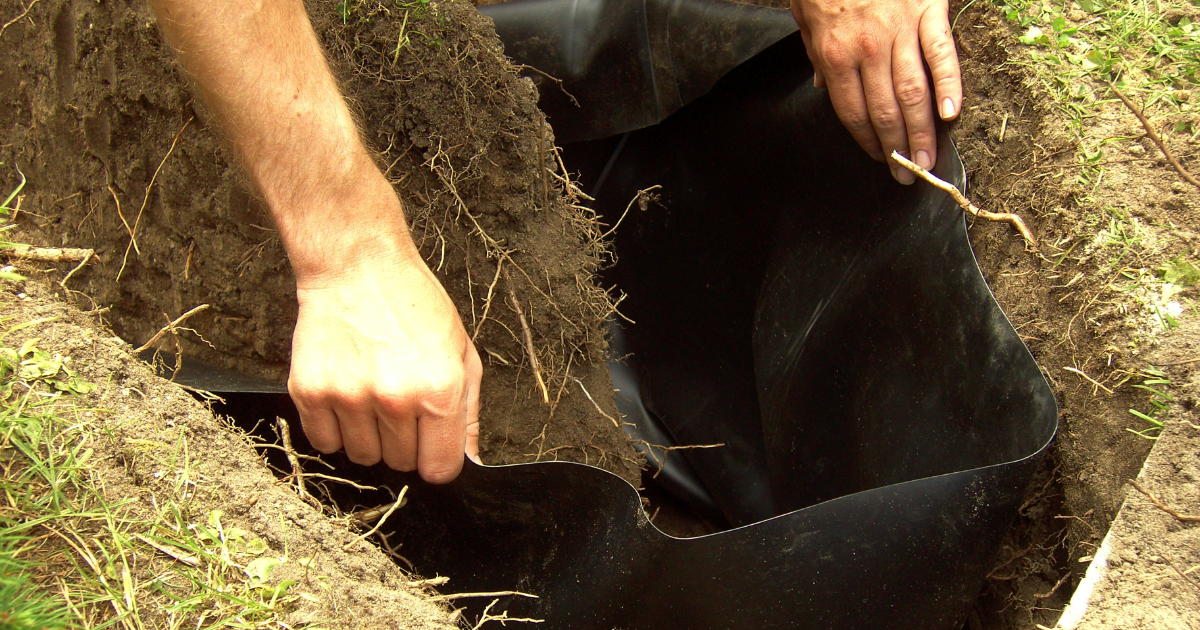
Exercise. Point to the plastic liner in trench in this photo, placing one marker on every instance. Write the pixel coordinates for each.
(881, 418)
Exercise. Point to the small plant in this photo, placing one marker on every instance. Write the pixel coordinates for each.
(1154, 381)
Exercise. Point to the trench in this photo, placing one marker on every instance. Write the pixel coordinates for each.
(878, 419)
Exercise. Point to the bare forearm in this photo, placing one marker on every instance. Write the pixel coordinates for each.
(259, 67)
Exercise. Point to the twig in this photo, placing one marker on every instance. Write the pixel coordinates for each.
(399, 501)
(63, 282)
(437, 581)
(1089, 379)
(1057, 584)
(187, 559)
(371, 515)
(502, 617)
(533, 362)
(47, 254)
(487, 304)
(1162, 146)
(298, 455)
(18, 18)
(641, 198)
(285, 434)
(595, 404)
(312, 475)
(146, 199)
(451, 596)
(1186, 518)
(169, 328)
(667, 452)
(962, 201)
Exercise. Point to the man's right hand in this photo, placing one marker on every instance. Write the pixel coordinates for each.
(382, 366)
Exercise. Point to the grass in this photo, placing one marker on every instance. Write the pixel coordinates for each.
(1148, 48)
(85, 559)
(74, 556)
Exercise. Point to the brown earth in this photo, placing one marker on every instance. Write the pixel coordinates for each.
(101, 121)
(91, 92)
(1069, 300)
(144, 422)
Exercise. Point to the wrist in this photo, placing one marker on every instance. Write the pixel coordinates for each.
(344, 227)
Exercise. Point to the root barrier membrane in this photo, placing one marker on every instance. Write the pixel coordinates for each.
(878, 415)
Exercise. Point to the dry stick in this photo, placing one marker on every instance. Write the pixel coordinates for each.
(641, 194)
(371, 515)
(533, 362)
(487, 304)
(1186, 518)
(18, 18)
(443, 598)
(312, 475)
(503, 617)
(667, 451)
(957, 195)
(1162, 146)
(169, 328)
(146, 199)
(177, 554)
(399, 501)
(63, 282)
(47, 254)
(285, 434)
(124, 221)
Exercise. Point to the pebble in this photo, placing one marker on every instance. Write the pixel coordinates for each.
(1136, 149)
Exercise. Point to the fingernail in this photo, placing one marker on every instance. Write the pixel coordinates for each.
(903, 176)
(947, 108)
(475, 458)
(923, 160)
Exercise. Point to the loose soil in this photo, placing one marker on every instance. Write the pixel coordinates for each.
(97, 111)
(145, 423)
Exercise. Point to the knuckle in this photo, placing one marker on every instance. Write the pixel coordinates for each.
(855, 119)
(911, 92)
(947, 85)
(939, 51)
(836, 56)
(887, 119)
(868, 44)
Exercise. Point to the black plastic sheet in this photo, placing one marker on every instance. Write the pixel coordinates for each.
(881, 418)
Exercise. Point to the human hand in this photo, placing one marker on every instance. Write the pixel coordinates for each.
(382, 367)
(871, 54)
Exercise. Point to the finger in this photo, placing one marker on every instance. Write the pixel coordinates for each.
(474, 377)
(397, 432)
(912, 93)
(806, 35)
(942, 58)
(320, 426)
(360, 431)
(886, 117)
(850, 103)
(441, 433)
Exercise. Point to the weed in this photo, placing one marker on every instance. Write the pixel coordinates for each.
(1153, 381)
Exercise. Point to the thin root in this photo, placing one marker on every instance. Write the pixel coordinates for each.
(956, 194)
